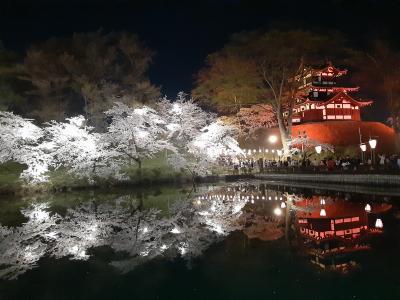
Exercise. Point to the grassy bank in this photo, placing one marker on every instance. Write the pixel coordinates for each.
(154, 171)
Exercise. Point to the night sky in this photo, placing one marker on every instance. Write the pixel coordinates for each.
(184, 32)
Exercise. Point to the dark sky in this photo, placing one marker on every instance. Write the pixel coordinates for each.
(184, 32)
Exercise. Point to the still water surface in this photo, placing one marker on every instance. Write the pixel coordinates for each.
(246, 240)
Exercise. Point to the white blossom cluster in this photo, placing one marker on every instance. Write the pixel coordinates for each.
(193, 139)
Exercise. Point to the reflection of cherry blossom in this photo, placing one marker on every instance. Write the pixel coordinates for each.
(140, 234)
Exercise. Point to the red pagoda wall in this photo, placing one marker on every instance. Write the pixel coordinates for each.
(336, 133)
(345, 133)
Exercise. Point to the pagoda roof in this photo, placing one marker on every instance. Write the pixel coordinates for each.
(347, 97)
(338, 96)
(329, 70)
(333, 89)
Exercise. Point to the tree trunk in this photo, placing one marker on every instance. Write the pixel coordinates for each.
(282, 130)
(140, 169)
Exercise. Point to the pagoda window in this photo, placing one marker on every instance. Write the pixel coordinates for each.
(315, 94)
(348, 117)
(330, 106)
(346, 106)
(338, 105)
(319, 78)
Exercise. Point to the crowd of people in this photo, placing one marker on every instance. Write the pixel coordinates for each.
(329, 164)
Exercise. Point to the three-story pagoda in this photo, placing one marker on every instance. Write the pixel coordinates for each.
(323, 97)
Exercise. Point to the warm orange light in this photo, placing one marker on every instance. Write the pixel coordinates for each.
(272, 139)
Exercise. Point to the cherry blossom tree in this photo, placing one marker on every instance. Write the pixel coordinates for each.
(86, 154)
(20, 141)
(256, 117)
(307, 146)
(198, 138)
(136, 133)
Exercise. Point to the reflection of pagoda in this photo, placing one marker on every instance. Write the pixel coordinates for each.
(336, 229)
(321, 98)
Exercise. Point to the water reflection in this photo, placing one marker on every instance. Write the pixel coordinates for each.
(326, 229)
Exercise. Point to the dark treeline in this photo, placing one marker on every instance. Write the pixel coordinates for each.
(86, 72)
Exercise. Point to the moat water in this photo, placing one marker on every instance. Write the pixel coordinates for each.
(242, 240)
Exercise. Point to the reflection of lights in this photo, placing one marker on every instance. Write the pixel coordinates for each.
(272, 139)
(322, 213)
(145, 230)
(378, 223)
(367, 208)
(277, 211)
(283, 205)
(164, 247)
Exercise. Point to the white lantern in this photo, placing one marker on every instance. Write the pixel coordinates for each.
(367, 208)
(372, 143)
(378, 223)
(283, 205)
(363, 147)
(322, 213)
(318, 149)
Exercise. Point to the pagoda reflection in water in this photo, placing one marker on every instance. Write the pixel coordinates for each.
(329, 230)
(332, 229)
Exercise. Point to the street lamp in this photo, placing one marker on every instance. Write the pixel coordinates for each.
(363, 148)
(277, 211)
(272, 139)
(372, 144)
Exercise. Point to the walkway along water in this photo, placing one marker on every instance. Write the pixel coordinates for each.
(364, 179)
